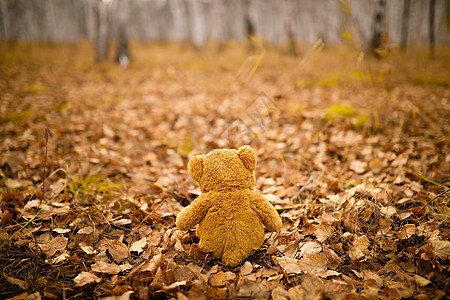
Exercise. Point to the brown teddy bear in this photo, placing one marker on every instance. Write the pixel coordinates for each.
(229, 213)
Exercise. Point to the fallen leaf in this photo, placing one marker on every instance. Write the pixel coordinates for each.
(104, 267)
(312, 286)
(62, 230)
(221, 278)
(56, 244)
(358, 166)
(62, 257)
(183, 273)
(313, 264)
(420, 281)
(310, 248)
(85, 278)
(122, 222)
(22, 284)
(139, 245)
(355, 253)
(125, 296)
(246, 268)
(88, 249)
(296, 293)
(441, 248)
(117, 249)
(279, 293)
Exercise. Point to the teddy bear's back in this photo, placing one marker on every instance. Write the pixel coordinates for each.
(231, 224)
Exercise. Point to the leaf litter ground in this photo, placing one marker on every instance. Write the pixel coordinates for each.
(352, 153)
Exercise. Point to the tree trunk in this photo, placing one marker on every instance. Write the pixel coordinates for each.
(379, 34)
(101, 36)
(431, 28)
(5, 19)
(123, 52)
(405, 24)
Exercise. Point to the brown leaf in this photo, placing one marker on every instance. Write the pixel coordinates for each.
(85, 278)
(310, 248)
(313, 264)
(289, 265)
(312, 286)
(296, 293)
(279, 293)
(151, 265)
(183, 273)
(5, 217)
(117, 249)
(246, 268)
(22, 284)
(56, 244)
(221, 278)
(441, 248)
(158, 281)
(139, 245)
(104, 267)
(335, 290)
(420, 281)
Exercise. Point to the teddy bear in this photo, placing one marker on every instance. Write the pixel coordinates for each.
(229, 213)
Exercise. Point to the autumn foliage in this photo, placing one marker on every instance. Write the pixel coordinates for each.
(353, 152)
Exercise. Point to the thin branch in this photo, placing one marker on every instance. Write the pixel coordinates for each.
(434, 198)
(46, 134)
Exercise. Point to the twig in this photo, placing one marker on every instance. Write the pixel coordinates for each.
(20, 229)
(46, 134)
(424, 178)
(434, 198)
(297, 195)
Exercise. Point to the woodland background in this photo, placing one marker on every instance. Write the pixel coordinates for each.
(345, 102)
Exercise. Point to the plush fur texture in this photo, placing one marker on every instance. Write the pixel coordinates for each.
(229, 214)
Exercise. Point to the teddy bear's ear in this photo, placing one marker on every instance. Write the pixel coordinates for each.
(248, 156)
(195, 167)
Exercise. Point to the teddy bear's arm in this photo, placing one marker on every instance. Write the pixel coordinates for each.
(269, 216)
(192, 214)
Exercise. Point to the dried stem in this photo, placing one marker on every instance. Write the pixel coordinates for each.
(46, 134)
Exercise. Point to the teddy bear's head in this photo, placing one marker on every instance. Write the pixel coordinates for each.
(224, 169)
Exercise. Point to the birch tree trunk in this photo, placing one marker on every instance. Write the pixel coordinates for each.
(101, 36)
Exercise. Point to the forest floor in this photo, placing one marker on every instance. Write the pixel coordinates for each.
(353, 152)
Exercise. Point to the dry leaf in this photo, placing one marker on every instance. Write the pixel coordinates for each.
(104, 267)
(313, 264)
(441, 248)
(355, 253)
(56, 244)
(246, 268)
(22, 284)
(184, 274)
(139, 245)
(358, 166)
(221, 278)
(296, 293)
(117, 249)
(85, 278)
(125, 296)
(279, 293)
(88, 249)
(310, 248)
(421, 281)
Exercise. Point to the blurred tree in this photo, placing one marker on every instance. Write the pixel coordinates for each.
(431, 27)
(379, 32)
(405, 24)
(101, 34)
(123, 52)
